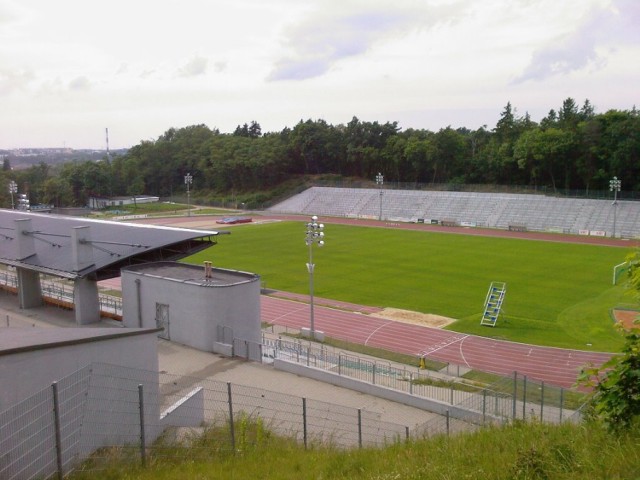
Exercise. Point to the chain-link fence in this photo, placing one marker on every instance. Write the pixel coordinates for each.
(98, 408)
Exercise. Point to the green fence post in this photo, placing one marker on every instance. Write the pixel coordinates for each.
(143, 448)
(524, 398)
(56, 422)
(231, 426)
(448, 423)
(304, 421)
(484, 406)
(515, 392)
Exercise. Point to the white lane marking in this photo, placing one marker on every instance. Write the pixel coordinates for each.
(375, 331)
(443, 344)
(462, 354)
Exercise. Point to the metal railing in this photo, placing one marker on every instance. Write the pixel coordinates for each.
(59, 293)
(506, 399)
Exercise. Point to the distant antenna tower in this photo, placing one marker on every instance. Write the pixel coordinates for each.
(108, 154)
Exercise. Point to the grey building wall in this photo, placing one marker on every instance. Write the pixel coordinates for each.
(193, 306)
(98, 406)
(27, 372)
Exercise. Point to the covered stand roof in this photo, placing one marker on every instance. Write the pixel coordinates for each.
(113, 244)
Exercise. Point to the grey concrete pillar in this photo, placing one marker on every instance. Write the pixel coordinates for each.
(87, 304)
(29, 290)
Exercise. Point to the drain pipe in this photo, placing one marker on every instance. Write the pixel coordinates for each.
(139, 295)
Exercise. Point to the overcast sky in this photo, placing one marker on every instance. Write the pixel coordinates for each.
(71, 68)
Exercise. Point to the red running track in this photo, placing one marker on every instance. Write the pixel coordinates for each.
(555, 366)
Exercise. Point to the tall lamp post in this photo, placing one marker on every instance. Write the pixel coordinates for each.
(13, 188)
(315, 234)
(188, 180)
(380, 182)
(614, 186)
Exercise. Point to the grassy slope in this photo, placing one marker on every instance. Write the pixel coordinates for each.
(531, 451)
(557, 294)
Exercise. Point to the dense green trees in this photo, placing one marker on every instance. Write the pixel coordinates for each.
(571, 148)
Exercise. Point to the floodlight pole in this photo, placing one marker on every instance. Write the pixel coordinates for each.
(13, 188)
(380, 182)
(315, 234)
(614, 186)
(188, 180)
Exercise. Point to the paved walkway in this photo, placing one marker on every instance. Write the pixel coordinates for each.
(180, 360)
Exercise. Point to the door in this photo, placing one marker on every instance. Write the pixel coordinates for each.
(162, 320)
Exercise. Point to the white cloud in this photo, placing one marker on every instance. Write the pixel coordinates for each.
(11, 81)
(323, 39)
(604, 30)
(219, 67)
(65, 67)
(80, 84)
(194, 67)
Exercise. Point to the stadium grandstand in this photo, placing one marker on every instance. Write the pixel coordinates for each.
(488, 210)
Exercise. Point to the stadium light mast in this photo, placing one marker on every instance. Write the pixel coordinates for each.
(614, 186)
(380, 182)
(315, 234)
(188, 180)
(13, 188)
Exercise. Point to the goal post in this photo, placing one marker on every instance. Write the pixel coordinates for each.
(619, 270)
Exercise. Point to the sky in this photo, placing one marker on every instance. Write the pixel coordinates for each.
(70, 69)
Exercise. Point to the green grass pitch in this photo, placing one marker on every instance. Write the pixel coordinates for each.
(558, 294)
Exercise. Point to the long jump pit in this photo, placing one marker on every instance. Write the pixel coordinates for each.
(626, 318)
(416, 318)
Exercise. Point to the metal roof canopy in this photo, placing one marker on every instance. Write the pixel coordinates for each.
(114, 244)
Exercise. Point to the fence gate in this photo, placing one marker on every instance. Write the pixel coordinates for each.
(162, 320)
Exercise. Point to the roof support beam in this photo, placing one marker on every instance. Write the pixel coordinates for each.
(25, 244)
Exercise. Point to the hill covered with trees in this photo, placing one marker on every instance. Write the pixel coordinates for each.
(573, 148)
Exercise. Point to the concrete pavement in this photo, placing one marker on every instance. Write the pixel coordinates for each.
(180, 360)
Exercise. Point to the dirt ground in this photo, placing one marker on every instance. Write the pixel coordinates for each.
(417, 318)
(626, 318)
(623, 317)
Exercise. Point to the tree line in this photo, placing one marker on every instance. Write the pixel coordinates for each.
(573, 148)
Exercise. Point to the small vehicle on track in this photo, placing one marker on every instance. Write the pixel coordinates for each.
(234, 220)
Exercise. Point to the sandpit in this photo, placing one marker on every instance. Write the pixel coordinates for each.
(417, 318)
(626, 318)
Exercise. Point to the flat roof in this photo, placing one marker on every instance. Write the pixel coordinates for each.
(20, 340)
(114, 244)
(194, 274)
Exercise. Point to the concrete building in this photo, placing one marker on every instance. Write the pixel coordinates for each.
(104, 202)
(85, 251)
(203, 307)
(73, 376)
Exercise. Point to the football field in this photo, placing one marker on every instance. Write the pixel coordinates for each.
(558, 294)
